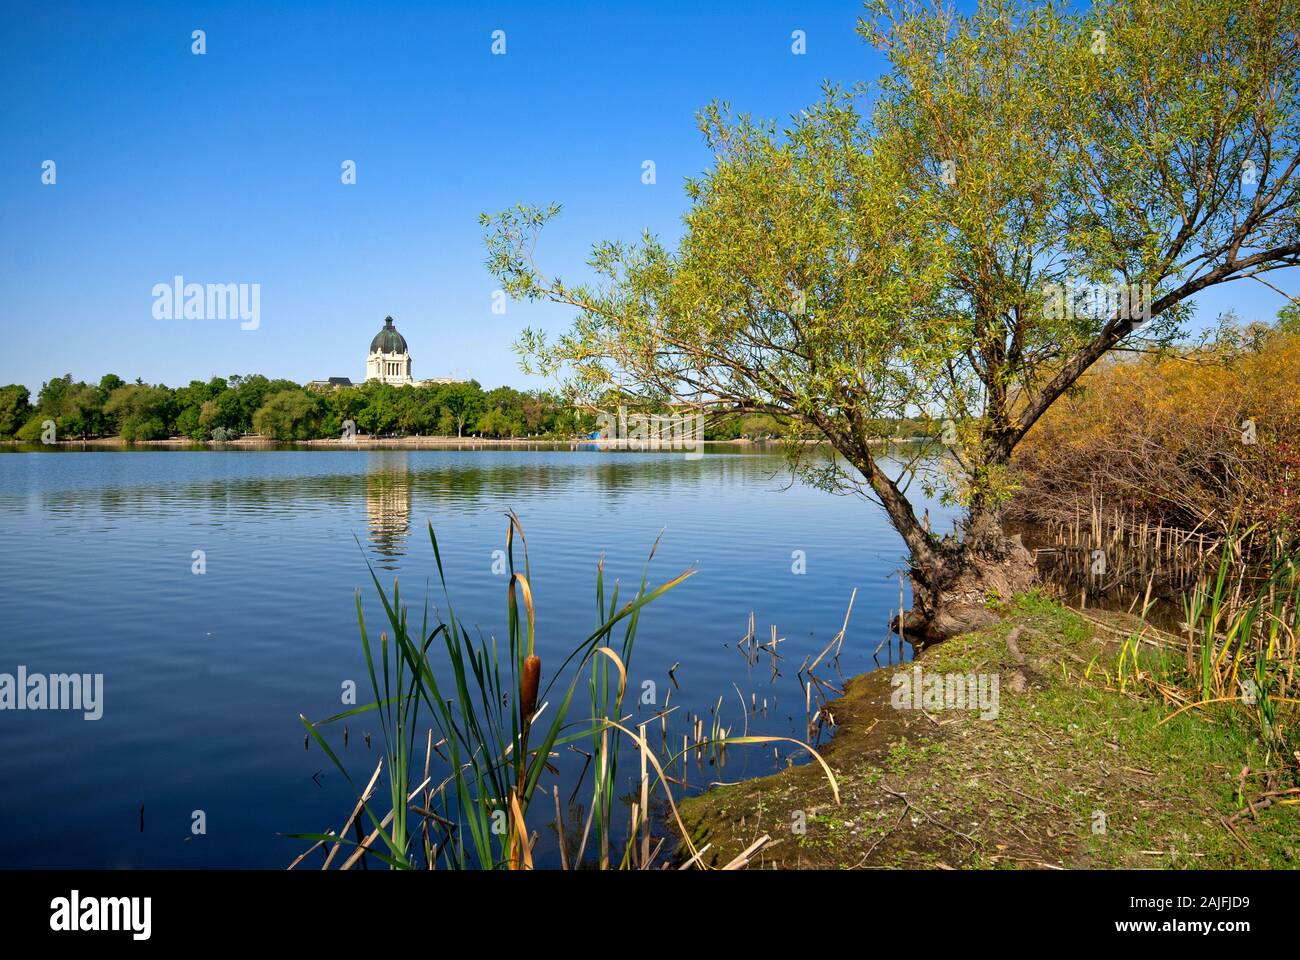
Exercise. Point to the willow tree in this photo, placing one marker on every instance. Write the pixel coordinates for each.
(915, 250)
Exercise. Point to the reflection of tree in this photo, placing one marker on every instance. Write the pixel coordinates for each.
(388, 505)
(397, 483)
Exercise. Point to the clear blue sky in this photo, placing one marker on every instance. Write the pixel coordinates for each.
(226, 167)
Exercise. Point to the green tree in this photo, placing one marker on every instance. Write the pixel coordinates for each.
(187, 423)
(110, 382)
(224, 412)
(504, 414)
(379, 415)
(289, 415)
(1288, 318)
(15, 408)
(33, 429)
(463, 401)
(412, 416)
(446, 423)
(141, 412)
(49, 400)
(499, 423)
(345, 404)
(81, 411)
(920, 261)
(245, 397)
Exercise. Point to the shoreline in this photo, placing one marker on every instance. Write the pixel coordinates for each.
(1074, 772)
(361, 443)
(397, 443)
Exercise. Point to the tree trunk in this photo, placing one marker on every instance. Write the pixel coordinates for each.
(951, 589)
(952, 579)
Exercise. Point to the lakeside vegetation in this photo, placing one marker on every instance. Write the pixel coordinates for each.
(1118, 743)
(499, 727)
(1092, 762)
(1202, 437)
(1114, 744)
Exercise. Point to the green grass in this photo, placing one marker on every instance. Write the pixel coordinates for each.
(1025, 790)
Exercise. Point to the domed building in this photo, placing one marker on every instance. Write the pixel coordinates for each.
(389, 361)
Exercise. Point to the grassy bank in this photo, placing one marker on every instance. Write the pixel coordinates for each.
(1081, 767)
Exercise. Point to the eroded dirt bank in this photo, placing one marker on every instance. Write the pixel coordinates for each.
(1075, 770)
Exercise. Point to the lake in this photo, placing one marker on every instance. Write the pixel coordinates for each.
(205, 674)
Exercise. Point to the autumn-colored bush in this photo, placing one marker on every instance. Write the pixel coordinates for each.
(1205, 436)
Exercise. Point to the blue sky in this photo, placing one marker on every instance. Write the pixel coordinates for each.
(226, 167)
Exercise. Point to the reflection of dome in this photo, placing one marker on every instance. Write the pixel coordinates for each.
(388, 340)
(388, 508)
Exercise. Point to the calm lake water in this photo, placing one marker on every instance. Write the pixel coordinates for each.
(205, 675)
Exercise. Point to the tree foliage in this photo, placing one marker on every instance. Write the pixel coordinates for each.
(899, 252)
(226, 408)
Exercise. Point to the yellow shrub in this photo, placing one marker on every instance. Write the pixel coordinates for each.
(1205, 436)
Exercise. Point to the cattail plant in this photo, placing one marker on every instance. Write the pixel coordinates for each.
(1241, 639)
(495, 727)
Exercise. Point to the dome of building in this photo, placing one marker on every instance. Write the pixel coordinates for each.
(389, 360)
(388, 340)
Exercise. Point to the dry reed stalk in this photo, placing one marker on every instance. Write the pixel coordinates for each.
(645, 802)
(356, 812)
(559, 828)
(743, 858)
(368, 842)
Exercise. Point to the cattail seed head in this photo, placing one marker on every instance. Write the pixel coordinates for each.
(528, 684)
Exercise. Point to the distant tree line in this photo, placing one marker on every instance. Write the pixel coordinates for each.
(225, 408)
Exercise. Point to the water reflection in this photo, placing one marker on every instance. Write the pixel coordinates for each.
(271, 480)
(388, 506)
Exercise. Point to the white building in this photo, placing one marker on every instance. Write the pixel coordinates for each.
(389, 361)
